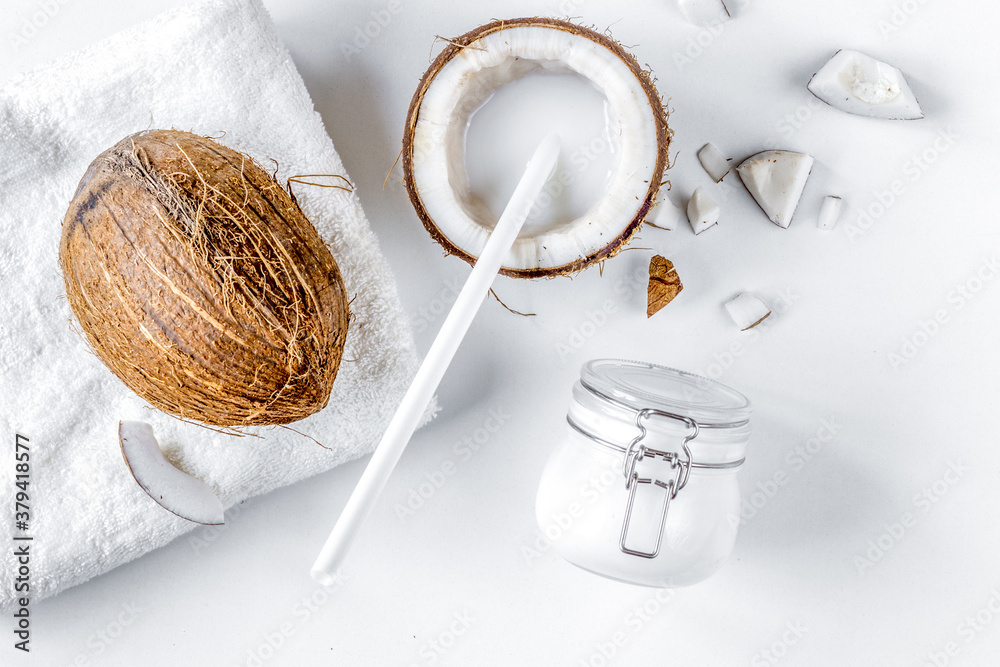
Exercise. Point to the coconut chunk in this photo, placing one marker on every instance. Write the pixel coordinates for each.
(704, 12)
(665, 214)
(775, 179)
(702, 211)
(747, 311)
(714, 162)
(829, 211)
(664, 284)
(171, 488)
(859, 84)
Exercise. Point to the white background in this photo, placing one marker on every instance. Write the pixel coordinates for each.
(826, 552)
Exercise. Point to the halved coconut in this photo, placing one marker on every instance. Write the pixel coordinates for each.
(776, 180)
(465, 75)
(173, 489)
(859, 84)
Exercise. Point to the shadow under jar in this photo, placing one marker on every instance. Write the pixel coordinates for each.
(642, 487)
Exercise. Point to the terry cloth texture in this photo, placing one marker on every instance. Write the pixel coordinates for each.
(216, 68)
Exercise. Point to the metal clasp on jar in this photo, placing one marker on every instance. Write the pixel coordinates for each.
(634, 453)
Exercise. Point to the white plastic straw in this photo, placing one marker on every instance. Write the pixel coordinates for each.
(442, 350)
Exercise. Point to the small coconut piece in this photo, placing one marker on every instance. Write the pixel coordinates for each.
(664, 284)
(704, 12)
(829, 211)
(747, 311)
(702, 211)
(171, 488)
(861, 85)
(665, 214)
(467, 72)
(776, 179)
(714, 162)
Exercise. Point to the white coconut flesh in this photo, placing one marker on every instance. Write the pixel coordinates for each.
(776, 179)
(702, 211)
(171, 488)
(715, 163)
(829, 212)
(747, 311)
(859, 84)
(468, 80)
(665, 214)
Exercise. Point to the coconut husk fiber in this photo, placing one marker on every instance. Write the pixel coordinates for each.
(199, 282)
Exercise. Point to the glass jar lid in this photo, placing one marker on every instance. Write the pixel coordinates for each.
(639, 385)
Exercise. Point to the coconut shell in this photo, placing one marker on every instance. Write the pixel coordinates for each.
(664, 284)
(199, 282)
(663, 138)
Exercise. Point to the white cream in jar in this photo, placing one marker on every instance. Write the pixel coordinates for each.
(642, 487)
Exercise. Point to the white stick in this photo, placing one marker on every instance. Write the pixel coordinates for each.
(429, 375)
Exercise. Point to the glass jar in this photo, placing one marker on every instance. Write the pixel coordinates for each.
(642, 488)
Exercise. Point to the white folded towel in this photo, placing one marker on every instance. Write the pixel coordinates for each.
(216, 68)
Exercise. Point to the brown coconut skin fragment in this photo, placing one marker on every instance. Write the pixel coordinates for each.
(663, 137)
(664, 284)
(757, 322)
(199, 282)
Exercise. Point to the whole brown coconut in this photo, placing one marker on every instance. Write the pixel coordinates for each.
(200, 283)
